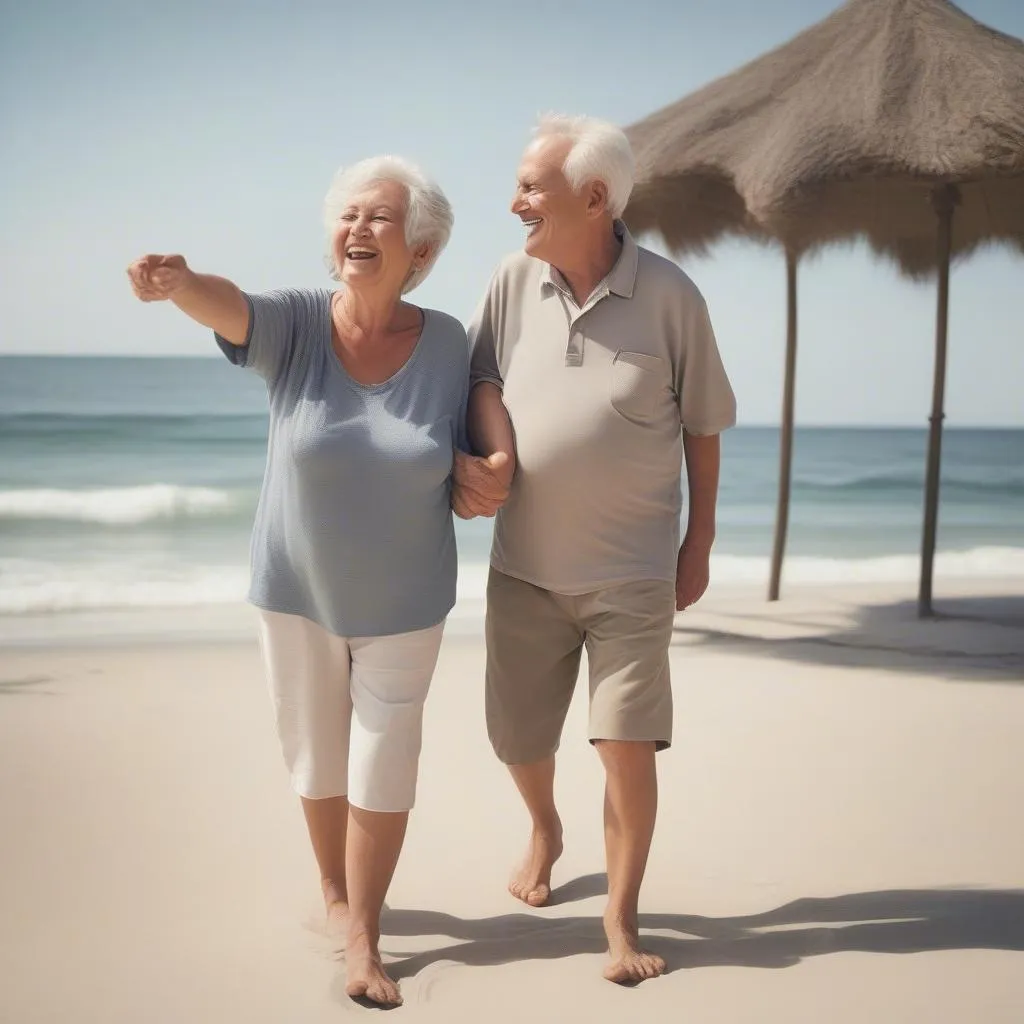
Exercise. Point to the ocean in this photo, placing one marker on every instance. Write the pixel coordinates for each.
(132, 482)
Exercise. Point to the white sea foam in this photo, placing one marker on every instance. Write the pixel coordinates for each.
(115, 506)
(976, 563)
(40, 587)
(32, 587)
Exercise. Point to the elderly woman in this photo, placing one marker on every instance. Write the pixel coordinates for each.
(353, 550)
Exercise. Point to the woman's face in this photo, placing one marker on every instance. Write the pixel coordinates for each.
(370, 250)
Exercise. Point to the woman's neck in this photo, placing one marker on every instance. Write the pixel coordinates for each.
(361, 316)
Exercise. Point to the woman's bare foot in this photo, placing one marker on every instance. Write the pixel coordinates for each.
(336, 905)
(531, 883)
(629, 963)
(366, 977)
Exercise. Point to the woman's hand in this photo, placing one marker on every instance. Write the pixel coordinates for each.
(155, 278)
(211, 301)
(479, 486)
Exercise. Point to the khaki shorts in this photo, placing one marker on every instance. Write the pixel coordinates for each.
(535, 640)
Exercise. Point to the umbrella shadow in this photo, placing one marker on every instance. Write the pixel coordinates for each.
(885, 922)
(971, 638)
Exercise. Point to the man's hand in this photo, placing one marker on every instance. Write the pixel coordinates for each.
(479, 486)
(156, 278)
(693, 573)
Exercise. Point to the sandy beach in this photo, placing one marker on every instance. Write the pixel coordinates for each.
(840, 835)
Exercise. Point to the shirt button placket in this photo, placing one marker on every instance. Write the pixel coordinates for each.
(574, 349)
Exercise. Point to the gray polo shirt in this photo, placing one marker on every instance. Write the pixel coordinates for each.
(597, 397)
(354, 527)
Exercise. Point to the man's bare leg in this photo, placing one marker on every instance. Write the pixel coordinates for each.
(374, 842)
(327, 821)
(531, 882)
(630, 809)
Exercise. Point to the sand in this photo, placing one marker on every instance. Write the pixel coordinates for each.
(841, 832)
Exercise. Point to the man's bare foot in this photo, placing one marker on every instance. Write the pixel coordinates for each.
(366, 977)
(629, 963)
(531, 883)
(336, 905)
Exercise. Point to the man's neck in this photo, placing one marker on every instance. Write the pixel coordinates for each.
(594, 266)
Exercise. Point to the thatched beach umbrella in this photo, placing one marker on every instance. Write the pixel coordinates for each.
(897, 121)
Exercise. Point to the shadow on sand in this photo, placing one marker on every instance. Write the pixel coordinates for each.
(970, 638)
(26, 685)
(894, 921)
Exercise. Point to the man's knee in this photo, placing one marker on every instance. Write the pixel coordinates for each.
(622, 756)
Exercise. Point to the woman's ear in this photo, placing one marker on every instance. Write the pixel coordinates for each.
(421, 255)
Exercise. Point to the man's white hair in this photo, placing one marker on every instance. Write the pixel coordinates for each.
(600, 152)
(428, 214)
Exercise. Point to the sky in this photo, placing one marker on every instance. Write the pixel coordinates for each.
(213, 129)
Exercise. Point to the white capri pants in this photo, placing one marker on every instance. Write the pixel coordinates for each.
(349, 710)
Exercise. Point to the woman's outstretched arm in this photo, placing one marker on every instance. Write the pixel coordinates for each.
(214, 302)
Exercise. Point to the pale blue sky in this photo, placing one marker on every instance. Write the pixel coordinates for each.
(213, 128)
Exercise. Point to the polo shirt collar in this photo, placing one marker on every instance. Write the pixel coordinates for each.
(621, 278)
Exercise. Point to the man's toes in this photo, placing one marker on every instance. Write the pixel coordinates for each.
(616, 972)
(381, 990)
(650, 966)
(539, 896)
(634, 968)
(356, 989)
(385, 992)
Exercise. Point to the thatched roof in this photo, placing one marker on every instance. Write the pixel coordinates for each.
(843, 132)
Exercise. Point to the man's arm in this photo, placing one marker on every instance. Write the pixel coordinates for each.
(489, 426)
(707, 406)
(481, 482)
(693, 567)
(703, 459)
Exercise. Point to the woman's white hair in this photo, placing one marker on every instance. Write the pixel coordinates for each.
(428, 214)
(600, 152)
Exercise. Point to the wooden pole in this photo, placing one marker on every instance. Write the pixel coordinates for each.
(786, 440)
(944, 200)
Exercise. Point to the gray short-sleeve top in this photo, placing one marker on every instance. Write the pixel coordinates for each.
(354, 527)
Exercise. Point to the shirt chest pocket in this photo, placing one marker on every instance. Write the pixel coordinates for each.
(636, 385)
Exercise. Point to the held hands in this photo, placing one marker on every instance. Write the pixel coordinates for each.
(480, 486)
(155, 278)
(693, 573)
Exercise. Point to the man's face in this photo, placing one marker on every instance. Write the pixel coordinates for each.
(554, 216)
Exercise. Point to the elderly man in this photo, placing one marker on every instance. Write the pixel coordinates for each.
(594, 369)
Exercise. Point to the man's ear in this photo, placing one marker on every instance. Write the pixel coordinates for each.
(597, 198)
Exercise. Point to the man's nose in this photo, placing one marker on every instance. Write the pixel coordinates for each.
(518, 203)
